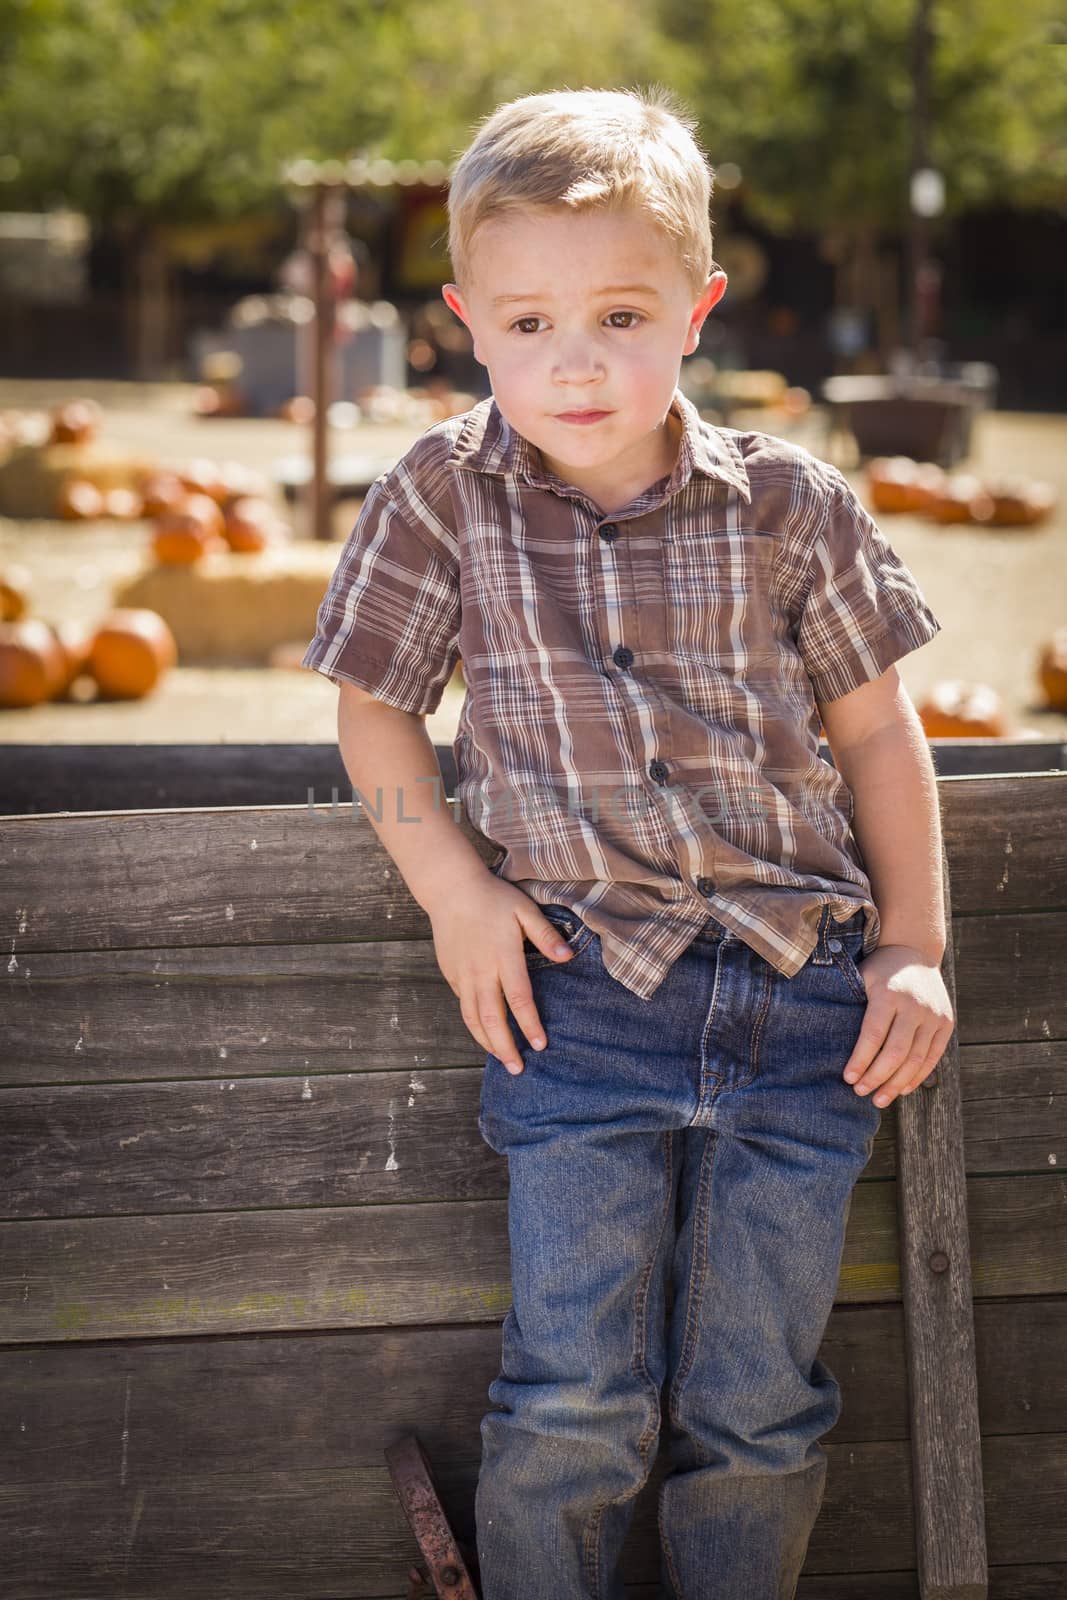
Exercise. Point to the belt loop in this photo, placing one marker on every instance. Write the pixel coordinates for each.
(821, 955)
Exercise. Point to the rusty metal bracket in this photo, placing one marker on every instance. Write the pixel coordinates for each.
(416, 1489)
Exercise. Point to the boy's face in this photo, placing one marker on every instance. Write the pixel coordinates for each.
(585, 314)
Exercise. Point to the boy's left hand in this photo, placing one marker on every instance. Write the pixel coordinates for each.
(907, 1024)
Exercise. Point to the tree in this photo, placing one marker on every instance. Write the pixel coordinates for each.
(813, 100)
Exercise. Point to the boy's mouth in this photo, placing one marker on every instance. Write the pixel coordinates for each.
(581, 416)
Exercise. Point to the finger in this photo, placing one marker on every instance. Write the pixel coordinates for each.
(468, 1010)
(872, 1035)
(547, 939)
(490, 1005)
(519, 996)
(896, 1055)
(919, 1064)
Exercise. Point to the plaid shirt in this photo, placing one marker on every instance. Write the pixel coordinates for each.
(640, 734)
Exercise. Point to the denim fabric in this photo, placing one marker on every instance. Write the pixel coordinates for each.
(693, 1153)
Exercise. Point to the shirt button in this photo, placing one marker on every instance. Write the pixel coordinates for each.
(608, 532)
(705, 886)
(658, 770)
(835, 944)
(623, 657)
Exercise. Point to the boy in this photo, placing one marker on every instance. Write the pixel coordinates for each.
(686, 974)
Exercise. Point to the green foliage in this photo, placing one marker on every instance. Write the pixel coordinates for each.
(813, 99)
(185, 110)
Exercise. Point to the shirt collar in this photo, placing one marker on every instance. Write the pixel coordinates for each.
(488, 444)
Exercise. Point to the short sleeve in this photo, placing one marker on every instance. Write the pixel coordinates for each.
(863, 609)
(389, 620)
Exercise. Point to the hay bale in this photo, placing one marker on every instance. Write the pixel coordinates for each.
(33, 475)
(233, 610)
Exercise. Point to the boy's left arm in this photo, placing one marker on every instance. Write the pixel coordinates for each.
(880, 749)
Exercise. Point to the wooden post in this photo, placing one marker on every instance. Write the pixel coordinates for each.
(318, 247)
(946, 1447)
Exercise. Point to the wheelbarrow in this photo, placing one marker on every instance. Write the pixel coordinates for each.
(449, 1564)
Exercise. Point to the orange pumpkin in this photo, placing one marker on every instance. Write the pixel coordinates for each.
(76, 422)
(1052, 671)
(180, 544)
(14, 593)
(962, 498)
(1019, 502)
(131, 651)
(79, 500)
(889, 483)
(32, 665)
(160, 492)
(75, 641)
(202, 477)
(125, 505)
(252, 525)
(957, 709)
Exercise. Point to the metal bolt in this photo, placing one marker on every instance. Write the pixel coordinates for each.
(449, 1576)
(938, 1261)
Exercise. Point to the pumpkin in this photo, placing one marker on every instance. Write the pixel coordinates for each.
(14, 593)
(962, 498)
(125, 505)
(196, 511)
(1052, 671)
(252, 525)
(160, 492)
(75, 423)
(889, 483)
(74, 640)
(1019, 502)
(78, 500)
(178, 541)
(32, 665)
(131, 651)
(202, 477)
(957, 709)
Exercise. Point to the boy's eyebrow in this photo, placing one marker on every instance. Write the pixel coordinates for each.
(610, 288)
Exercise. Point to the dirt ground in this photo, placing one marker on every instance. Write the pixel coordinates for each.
(998, 593)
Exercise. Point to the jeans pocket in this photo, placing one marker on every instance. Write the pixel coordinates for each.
(571, 929)
(847, 960)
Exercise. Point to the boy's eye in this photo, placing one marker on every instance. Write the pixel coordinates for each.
(635, 317)
(519, 324)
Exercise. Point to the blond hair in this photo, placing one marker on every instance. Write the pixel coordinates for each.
(585, 148)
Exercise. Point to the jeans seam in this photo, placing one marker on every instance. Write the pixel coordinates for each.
(697, 1274)
(705, 1074)
(640, 1363)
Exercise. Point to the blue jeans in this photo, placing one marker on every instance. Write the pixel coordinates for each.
(702, 1142)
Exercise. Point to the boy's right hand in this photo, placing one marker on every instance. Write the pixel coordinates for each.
(477, 938)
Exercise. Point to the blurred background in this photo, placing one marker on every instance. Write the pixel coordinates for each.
(222, 241)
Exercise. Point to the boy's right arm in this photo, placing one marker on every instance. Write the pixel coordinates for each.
(478, 920)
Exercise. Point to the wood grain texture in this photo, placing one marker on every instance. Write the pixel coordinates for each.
(298, 875)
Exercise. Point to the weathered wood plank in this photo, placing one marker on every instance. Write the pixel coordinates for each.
(123, 1445)
(294, 875)
(946, 1445)
(374, 1266)
(289, 1531)
(90, 1016)
(367, 1138)
(38, 778)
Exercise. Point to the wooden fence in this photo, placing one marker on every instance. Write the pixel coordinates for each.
(251, 1234)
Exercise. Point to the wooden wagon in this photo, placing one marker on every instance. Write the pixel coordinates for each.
(251, 1235)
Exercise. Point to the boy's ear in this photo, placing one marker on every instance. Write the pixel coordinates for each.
(713, 293)
(455, 302)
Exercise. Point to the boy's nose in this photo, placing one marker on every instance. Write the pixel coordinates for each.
(577, 362)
